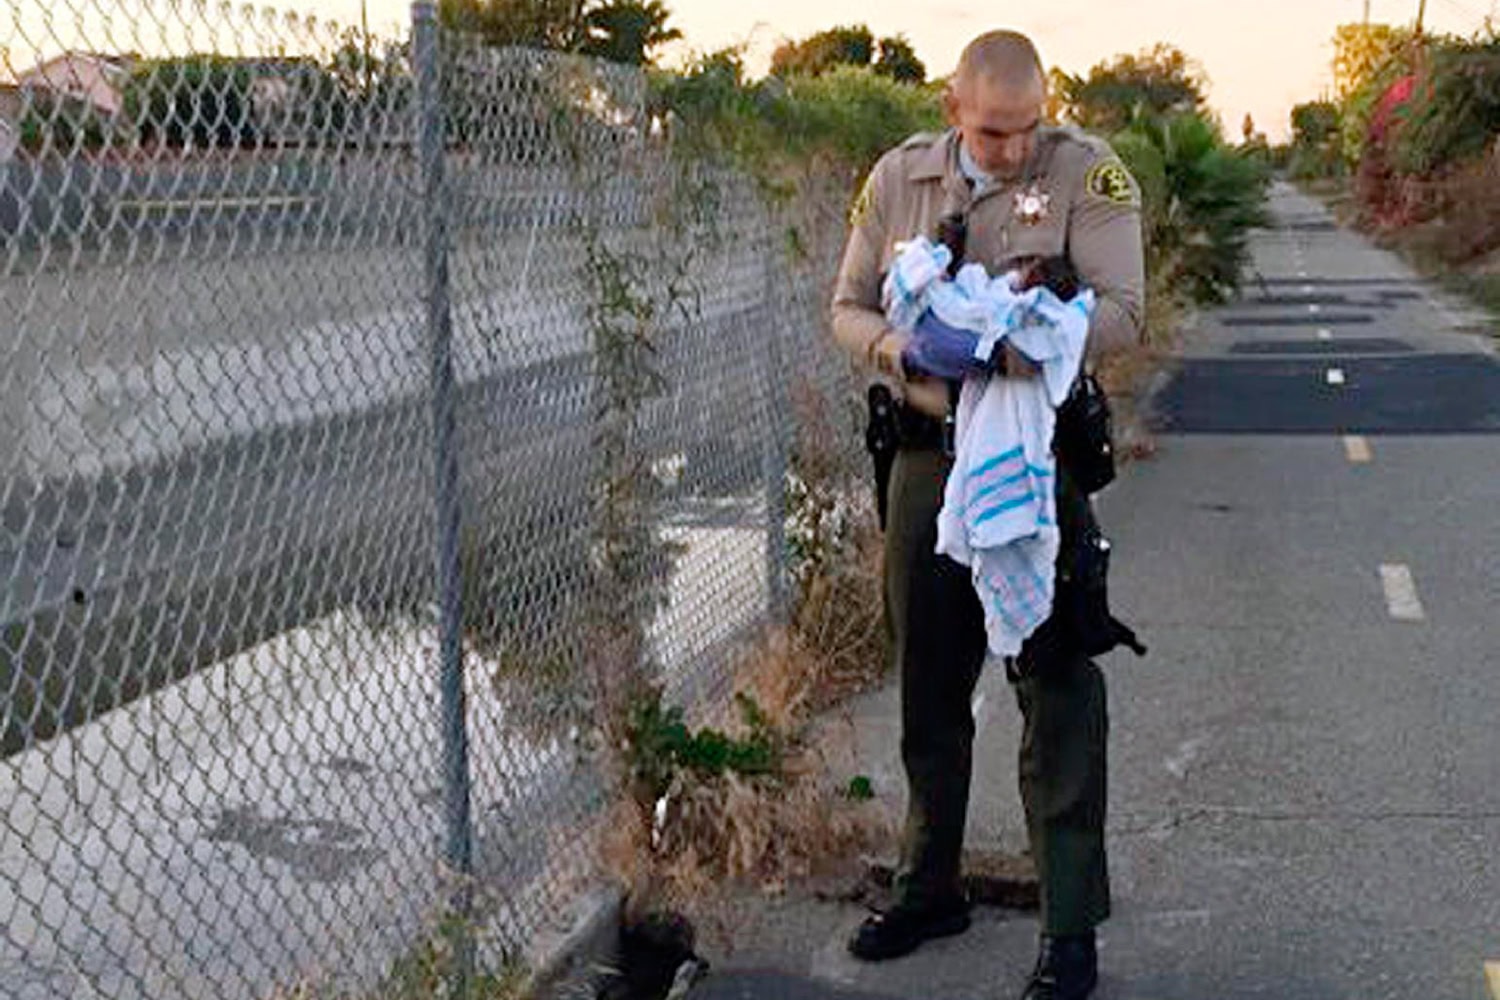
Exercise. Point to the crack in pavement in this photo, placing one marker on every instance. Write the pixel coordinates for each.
(1188, 815)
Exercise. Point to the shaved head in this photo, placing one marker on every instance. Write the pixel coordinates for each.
(995, 99)
(1004, 59)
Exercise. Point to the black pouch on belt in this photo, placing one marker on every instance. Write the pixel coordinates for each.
(1084, 439)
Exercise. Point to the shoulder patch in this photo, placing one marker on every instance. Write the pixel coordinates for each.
(860, 210)
(1108, 179)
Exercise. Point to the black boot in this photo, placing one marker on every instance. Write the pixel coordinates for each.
(1067, 968)
(903, 927)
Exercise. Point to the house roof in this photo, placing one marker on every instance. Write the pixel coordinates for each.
(93, 77)
(112, 62)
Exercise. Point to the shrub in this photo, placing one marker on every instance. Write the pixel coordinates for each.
(1201, 197)
(1455, 112)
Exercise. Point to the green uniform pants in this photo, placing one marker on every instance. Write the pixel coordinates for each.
(938, 631)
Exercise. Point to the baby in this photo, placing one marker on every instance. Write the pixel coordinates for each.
(940, 350)
(1056, 273)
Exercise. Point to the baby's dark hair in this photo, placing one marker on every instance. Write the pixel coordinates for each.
(953, 233)
(1056, 273)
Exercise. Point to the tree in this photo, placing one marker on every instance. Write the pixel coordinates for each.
(852, 45)
(1367, 60)
(1362, 52)
(1314, 123)
(1061, 89)
(1159, 81)
(354, 64)
(60, 126)
(623, 31)
(898, 60)
(1201, 198)
(194, 101)
(626, 31)
(1317, 141)
(849, 45)
(1455, 111)
(536, 24)
(709, 90)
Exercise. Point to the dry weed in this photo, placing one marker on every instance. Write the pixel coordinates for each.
(710, 833)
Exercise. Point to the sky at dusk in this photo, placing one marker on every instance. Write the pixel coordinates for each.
(1261, 57)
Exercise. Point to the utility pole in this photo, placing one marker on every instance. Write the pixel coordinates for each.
(364, 30)
(1367, 13)
(1419, 46)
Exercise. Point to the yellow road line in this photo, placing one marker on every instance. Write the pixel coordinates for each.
(1492, 974)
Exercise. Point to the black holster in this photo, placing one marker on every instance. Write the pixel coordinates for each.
(882, 439)
(1081, 622)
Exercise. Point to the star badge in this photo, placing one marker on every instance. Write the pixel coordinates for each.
(1031, 206)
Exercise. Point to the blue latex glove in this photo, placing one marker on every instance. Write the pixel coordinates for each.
(941, 350)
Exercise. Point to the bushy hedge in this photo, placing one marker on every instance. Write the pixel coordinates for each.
(849, 115)
(1201, 196)
(1455, 112)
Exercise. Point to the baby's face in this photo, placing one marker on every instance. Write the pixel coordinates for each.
(1055, 273)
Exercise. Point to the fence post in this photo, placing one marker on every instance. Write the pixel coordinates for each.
(458, 847)
(778, 444)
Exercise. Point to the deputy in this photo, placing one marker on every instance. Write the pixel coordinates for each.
(1027, 190)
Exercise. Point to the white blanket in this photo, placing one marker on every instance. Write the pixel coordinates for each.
(999, 514)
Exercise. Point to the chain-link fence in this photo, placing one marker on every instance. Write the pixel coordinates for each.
(369, 407)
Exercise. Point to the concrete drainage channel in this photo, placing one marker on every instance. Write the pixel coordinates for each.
(602, 957)
(568, 963)
(606, 956)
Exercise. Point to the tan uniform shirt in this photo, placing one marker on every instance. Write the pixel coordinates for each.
(1075, 199)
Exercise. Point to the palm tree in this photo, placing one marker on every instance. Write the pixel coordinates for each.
(626, 31)
(1201, 199)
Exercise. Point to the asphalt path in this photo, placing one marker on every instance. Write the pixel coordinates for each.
(1305, 772)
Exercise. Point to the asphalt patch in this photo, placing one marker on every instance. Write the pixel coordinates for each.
(1431, 394)
(1311, 319)
(1320, 282)
(1325, 299)
(766, 985)
(1351, 345)
(1307, 227)
(1346, 282)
